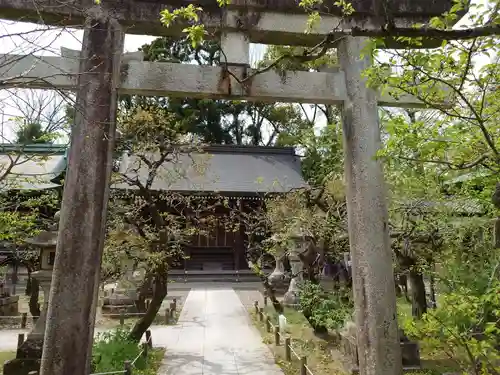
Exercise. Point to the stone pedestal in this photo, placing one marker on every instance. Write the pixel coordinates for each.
(278, 279)
(121, 301)
(29, 354)
(9, 306)
(300, 243)
(291, 297)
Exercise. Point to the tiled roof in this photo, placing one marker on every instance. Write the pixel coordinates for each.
(30, 171)
(34, 166)
(220, 168)
(223, 169)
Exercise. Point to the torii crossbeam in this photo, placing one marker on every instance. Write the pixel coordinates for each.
(165, 79)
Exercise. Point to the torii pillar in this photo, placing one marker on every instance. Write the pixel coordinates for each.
(378, 345)
(75, 281)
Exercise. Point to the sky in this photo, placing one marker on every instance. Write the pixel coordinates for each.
(25, 38)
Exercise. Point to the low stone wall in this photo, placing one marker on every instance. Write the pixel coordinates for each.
(9, 306)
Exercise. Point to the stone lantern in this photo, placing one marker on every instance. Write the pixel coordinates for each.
(30, 352)
(299, 244)
(278, 277)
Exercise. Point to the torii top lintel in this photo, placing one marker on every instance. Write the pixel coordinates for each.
(265, 21)
(398, 8)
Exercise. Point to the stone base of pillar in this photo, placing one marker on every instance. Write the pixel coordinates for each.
(291, 297)
(27, 359)
(21, 366)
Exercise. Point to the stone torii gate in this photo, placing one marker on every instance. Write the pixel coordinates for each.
(100, 72)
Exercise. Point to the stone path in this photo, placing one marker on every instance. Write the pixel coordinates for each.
(214, 335)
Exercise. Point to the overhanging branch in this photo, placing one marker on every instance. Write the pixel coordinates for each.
(409, 32)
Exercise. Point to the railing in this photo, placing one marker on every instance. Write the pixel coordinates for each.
(129, 365)
(23, 318)
(168, 316)
(228, 275)
(279, 337)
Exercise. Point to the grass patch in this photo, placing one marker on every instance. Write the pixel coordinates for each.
(321, 352)
(4, 357)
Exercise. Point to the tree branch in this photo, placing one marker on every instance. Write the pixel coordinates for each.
(449, 164)
(425, 32)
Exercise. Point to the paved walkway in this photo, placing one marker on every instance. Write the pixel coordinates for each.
(214, 336)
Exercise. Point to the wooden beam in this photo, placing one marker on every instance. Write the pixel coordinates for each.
(186, 80)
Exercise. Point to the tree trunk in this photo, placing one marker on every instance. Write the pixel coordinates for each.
(27, 291)
(278, 307)
(14, 279)
(403, 282)
(418, 297)
(399, 292)
(433, 291)
(496, 234)
(159, 294)
(143, 291)
(34, 305)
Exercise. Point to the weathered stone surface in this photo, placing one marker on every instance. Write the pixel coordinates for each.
(117, 309)
(30, 352)
(9, 306)
(410, 352)
(120, 298)
(21, 366)
(141, 16)
(278, 279)
(372, 272)
(74, 290)
(8, 300)
(300, 243)
(182, 80)
(27, 357)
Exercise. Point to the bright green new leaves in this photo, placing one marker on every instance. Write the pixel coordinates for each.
(459, 135)
(196, 32)
(346, 9)
(465, 328)
(223, 3)
(326, 308)
(16, 227)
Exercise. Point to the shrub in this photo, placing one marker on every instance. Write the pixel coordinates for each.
(111, 349)
(466, 327)
(325, 310)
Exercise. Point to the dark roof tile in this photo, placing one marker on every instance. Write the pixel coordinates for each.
(224, 169)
